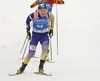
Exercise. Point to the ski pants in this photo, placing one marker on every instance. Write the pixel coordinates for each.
(44, 41)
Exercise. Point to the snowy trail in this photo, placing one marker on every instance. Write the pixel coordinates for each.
(70, 67)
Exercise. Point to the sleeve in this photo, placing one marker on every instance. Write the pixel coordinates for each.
(28, 20)
(34, 4)
(51, 17)
(54, 1)
(61, 2)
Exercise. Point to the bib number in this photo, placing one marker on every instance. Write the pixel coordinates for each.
(40, 26)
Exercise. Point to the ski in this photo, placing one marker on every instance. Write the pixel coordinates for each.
(43, 74)
(13, 74)
(34, 73)
(50, 61)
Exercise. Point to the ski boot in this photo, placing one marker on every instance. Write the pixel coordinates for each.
(21, 69)
(41, 71)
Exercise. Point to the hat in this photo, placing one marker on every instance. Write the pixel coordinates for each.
(42, 6)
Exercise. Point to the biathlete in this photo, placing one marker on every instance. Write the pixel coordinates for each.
(40, 20)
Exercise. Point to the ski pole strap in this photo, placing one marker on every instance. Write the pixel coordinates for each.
(35, 16)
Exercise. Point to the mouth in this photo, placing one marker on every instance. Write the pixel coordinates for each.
(42, 14)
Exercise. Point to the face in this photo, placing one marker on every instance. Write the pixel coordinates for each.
(42, 12)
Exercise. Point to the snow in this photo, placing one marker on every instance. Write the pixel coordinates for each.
(79, 42)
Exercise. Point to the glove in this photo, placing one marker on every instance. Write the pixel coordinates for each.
(61, 1)
(28, 35)
(50, 33)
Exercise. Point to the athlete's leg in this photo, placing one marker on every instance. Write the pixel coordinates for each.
(32, 49)
(44, 42)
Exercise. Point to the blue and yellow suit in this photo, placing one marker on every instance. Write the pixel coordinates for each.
(39, 34)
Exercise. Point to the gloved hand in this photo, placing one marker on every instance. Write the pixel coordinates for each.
(61, 1)
(28, 35)
(50, 33)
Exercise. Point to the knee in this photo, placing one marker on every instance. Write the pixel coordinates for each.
(45, 44)
(31, 53)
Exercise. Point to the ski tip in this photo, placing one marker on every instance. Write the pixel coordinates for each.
(50, 74)
(12, 74)
(9, 74)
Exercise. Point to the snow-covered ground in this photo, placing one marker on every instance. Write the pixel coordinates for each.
(79, 42)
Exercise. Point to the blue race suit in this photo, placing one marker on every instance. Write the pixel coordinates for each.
(39, 34)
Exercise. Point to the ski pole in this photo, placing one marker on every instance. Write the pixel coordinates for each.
(57, 24)
(25, 50)
(50, 48)
(23, 45)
